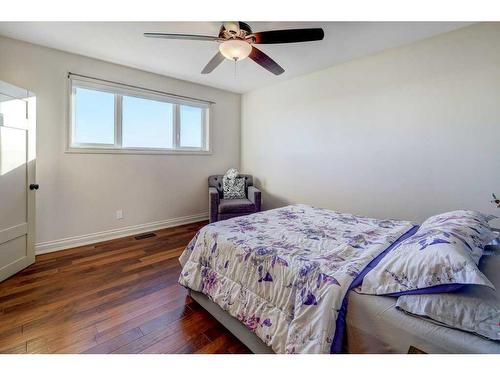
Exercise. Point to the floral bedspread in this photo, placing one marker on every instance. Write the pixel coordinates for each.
(285, 272)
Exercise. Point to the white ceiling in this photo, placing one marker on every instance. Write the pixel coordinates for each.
(123, 43)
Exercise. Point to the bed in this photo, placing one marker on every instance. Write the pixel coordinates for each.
(284, 281)
(373, 326)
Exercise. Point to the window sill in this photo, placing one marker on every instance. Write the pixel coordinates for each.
(77, 150)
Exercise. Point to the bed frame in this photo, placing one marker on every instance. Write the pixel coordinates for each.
(238, 329)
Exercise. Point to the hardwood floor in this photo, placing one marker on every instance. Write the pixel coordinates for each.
(119, 296)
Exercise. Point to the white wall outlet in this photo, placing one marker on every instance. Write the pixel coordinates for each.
(119, 214)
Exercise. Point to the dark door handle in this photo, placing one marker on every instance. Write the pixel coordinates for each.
(34, 186)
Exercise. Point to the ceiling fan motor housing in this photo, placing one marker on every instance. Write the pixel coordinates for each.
(234, 30)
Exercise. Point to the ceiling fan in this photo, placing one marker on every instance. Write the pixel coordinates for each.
(237, 42)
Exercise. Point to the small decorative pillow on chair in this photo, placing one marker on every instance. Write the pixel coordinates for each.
(233, 186)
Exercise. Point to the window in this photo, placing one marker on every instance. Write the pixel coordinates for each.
(94, 117)
(111, 118)
(147, 123)
(191, 119)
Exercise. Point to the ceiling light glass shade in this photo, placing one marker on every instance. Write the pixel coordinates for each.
(235, 49)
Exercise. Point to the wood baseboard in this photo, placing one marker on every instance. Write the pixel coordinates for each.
(86, 239)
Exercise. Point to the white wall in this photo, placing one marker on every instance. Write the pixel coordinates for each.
(404, 134)
(79, 193)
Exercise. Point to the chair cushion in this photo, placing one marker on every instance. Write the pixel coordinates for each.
(233, 206)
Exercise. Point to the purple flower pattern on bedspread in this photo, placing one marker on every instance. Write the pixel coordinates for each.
(284, 272)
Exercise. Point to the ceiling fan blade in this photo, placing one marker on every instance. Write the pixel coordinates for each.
(265, 61)
(181, 36)
(213, 63)
(288, 36)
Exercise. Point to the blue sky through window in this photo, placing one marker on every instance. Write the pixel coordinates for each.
(94, 117)
(146, 123)
(142, 123)
(190, 124)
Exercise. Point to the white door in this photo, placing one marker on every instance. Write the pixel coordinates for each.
(17, 176)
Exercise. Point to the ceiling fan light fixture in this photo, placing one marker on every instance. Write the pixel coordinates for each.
(235, 49)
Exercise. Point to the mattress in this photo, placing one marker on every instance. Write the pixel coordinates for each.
(374, 325)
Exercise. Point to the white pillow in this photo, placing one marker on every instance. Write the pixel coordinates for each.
(441, 256)
(471, 228)
(473, 309)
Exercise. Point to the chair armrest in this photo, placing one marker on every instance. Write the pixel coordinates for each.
(254, 195)
(213, 204)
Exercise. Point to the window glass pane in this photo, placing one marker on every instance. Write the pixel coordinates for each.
(94, 117)
(146, 123)
(191, 126)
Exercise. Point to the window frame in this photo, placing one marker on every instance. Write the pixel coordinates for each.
(119, 92)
